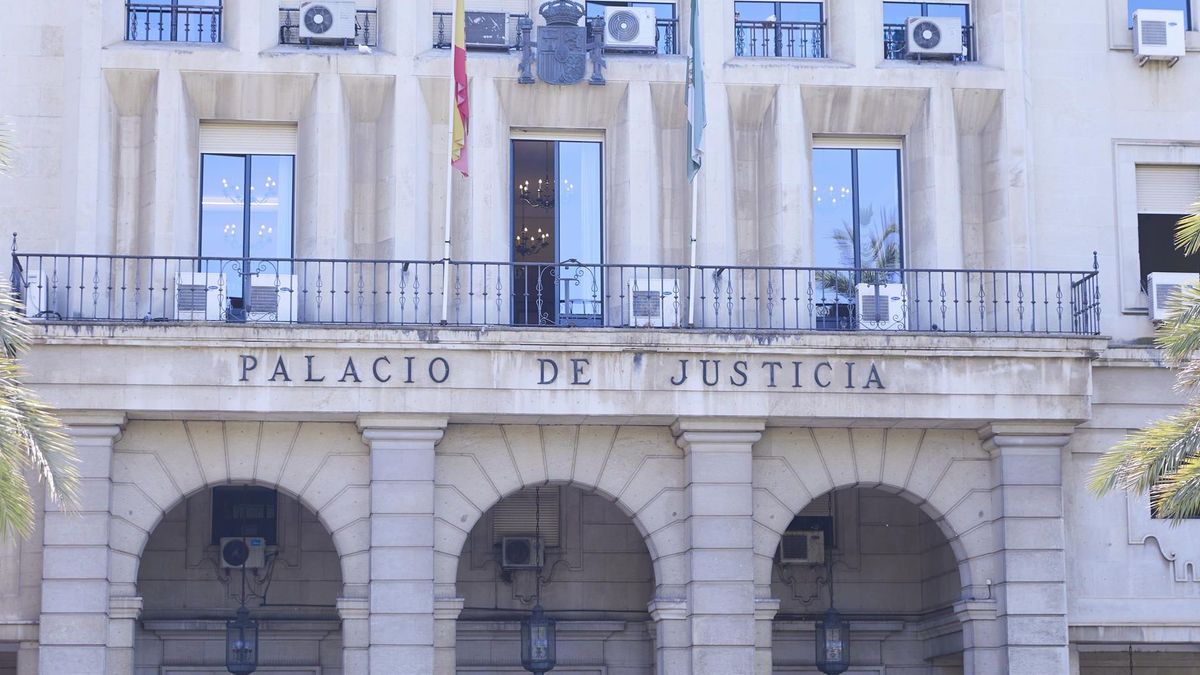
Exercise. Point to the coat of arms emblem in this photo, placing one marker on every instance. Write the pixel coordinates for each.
(562, 45)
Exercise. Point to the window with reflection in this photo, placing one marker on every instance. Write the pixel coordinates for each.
(246, 225)
(897, 14)
(557, 235)
(664, 13)
(857, 223)
(1178, 5)
(787, 29)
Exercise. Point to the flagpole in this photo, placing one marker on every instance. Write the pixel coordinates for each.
(692, 257)
(452, 101)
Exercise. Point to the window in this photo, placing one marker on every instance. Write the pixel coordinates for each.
(243, 511)
(788, 29)
(857, 226)
(557, 239)
(247, 214)
(1164, 195)
(174, 21)
(896, 15)
(664, 12)
(1181, 5)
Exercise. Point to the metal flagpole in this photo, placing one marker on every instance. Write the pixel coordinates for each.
(692, 258)
(453, 100)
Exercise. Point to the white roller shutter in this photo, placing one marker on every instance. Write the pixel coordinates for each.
(1171, 189)
(248, 138)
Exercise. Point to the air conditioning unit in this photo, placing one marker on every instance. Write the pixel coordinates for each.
(881, 306)
(1160, 286)
(36, 296)
(272, 298)
(487, 30)
(327, 20)
(521, 553)
(1158, 35)
(243, 552)
(937, 36)
(802, 547)
(630, 29)
(200, 296)
(653, 301)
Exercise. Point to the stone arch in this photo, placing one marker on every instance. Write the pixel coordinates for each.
(640, 469)
(158, 464)
(946, 473)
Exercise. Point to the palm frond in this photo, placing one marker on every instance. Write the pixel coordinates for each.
(1187, 232)
(1178, 495)
(1146, 457)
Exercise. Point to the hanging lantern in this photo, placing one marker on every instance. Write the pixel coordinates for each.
(833, 643)
(537, 642)
(241, 643)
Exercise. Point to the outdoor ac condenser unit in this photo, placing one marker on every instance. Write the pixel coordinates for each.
(653, 301)
(802, 547)
(200, 296)
(521, 553)
(487, 30)
(327, 20)
(1160, 286)
(933, 36)
(272, 298)
(36, 295)
(1158, 35)
(247, 552)
(881, 306)
(633, 29)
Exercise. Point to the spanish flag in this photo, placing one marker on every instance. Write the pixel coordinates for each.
(461, 108)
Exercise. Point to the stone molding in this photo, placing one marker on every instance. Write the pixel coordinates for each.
(693, 431)
(125, 607)
(668, 609)
(448, 609)
(350, 609)
(1011, 435)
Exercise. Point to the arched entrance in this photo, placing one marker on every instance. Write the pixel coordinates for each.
(891, 572)
(188, 595)
(596, 579)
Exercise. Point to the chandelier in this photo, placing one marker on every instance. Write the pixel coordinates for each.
(529, 243)
(539, 196)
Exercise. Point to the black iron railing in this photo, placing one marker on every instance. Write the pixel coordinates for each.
(366, 29)
(80, 288)
(895, 43)
(507, 39)
(172, 22)
(788, 39)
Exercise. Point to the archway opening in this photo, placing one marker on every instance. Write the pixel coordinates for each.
(595, 578)
(291, 585)
(892, 573)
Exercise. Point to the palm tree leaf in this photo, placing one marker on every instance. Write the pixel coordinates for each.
(1145, 457)
(1178, 495)
(1187, 232)
(16, 505)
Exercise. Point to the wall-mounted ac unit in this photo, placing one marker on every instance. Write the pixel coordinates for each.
(631, 29)
(881, 307)
(243, 552)
(200, 296)
(1160, 286)
(272, 298)
(1158, 35)
(802, 547)
(517, 553)
(327, 20)
(653, 301)
(933, 36)
(36, 296)
(487, 30)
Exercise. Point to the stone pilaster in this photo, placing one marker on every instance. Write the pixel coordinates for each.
(765, 610)
(355, 615)
(671, 640)
(445, 634)
(27, 658)
(123, 613)
(401, 615)
(1030, 633)
(74, 624)
(719, 498)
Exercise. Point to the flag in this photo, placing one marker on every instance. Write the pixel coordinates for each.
(695, 97)
(461, 107)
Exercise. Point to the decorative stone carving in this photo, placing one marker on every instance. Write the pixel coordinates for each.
(563, 45)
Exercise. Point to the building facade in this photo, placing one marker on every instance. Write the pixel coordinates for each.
(917, 313)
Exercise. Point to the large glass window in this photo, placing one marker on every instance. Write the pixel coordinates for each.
(557, 232)
(664, 13)
(896, 15)
(857, 223)
(789, 29)
(1181, 5)
(246, 222)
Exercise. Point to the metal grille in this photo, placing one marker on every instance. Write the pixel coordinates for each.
(647, 303)
(874, 307)
(1154, 32)
(821, 506)
(1162, 294)
(514, 515)
(192, 298)
(623, 26)
(264, 298)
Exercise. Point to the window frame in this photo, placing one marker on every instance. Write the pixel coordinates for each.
(1120, 35)
(1188, 13)
(248, 157)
